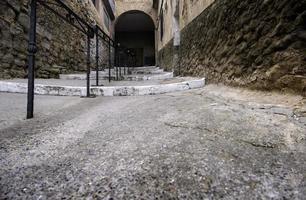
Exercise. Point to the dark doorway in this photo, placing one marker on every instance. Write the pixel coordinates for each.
(135, 32)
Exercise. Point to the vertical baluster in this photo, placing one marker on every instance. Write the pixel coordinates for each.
(32, 49)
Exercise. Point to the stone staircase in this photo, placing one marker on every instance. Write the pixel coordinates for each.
(132, 74)
(137, 82)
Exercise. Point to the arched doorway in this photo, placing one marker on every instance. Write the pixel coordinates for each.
(135, 31)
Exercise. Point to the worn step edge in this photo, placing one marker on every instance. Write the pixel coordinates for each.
(162, 76)
(54, 90)
(133, 77)
(144, 68)
(104, 73)
(131, 69)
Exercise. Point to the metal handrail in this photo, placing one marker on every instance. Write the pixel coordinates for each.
(101, 34)
(73, 19)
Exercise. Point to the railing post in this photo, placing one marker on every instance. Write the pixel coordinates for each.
(129, 64)
(88, 65)
(116, 61)
(125, 63)
(119, 63)
(97, 56)
(32, 49)
(109, 60)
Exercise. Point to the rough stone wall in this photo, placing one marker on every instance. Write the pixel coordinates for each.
(61, 48)
(165, 57)
(258, 44)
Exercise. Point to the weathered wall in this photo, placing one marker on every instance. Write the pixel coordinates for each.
(165, 57)
(191, 9)
(60, 46)
(257, 44)
(146, 6)
(188, 10)
(99, 16)
(167, 10)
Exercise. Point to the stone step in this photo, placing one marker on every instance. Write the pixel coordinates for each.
(144, 68)
(62, 90)
(157, 71)
(139, 68)
(105, 73)
(83, 77)
(132, 77)
(161, 76)
(135, 70)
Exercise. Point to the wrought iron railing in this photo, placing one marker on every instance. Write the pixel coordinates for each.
(60, 9)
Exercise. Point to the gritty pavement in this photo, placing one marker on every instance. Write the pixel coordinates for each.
(212, 143)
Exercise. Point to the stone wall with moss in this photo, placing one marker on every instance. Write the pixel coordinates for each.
(257, 44)
(165, 57)
(61, 48)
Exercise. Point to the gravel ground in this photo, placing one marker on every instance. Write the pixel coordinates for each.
(212, 143)
(104, 82)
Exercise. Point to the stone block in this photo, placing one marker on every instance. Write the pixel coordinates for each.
(16, 29)
(5, 66)
(24, 21)
(19, 62)
(7, 58)
(7, 14)
(15, 4)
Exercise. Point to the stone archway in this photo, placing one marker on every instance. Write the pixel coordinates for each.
(135, 31)
(146, 6)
